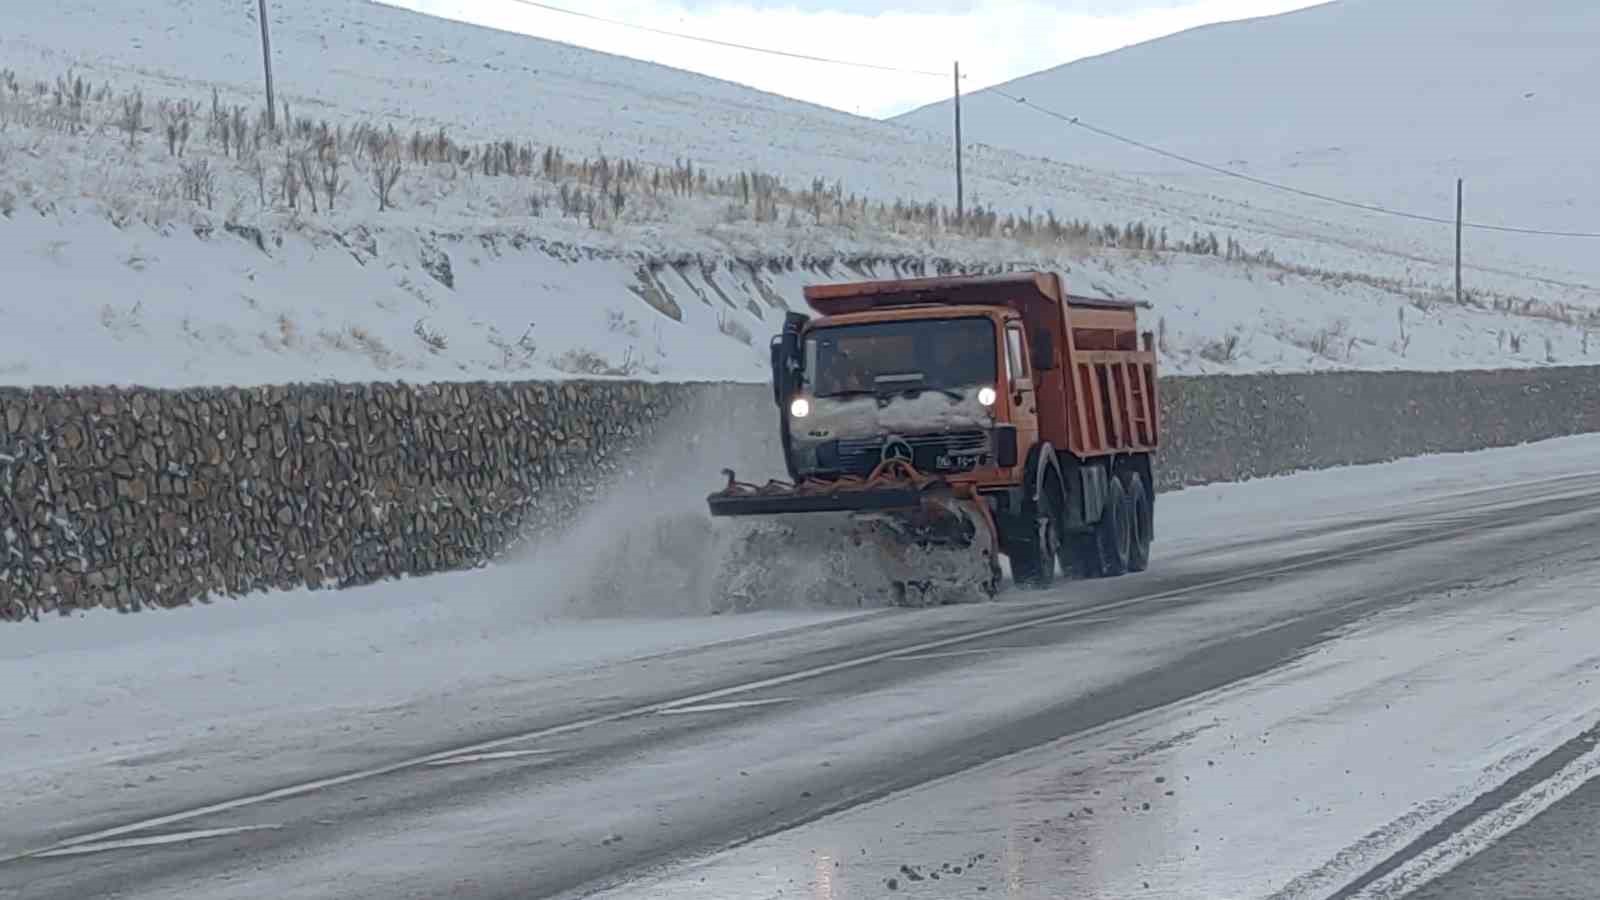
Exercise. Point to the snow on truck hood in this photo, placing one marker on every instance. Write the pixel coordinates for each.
(928, 411)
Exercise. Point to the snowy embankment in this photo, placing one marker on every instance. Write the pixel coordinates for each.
(89, 303)
(113, 157)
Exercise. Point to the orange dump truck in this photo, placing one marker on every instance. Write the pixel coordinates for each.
(998, 412)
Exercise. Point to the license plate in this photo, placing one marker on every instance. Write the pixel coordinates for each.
(961, 463)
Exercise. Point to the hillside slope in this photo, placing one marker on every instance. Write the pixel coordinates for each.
(1379, 101)
(550, 176)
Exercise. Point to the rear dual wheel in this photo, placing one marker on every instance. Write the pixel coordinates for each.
(1142, 511)
(1120, 541)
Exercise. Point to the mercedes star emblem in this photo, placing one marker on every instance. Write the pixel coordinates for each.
(896, 448)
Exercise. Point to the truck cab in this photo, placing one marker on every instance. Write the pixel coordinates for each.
(947, 389)
(1039, 404)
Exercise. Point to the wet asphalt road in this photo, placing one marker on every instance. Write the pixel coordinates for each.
(657, 760)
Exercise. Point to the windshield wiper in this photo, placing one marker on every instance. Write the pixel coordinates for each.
(952, 393)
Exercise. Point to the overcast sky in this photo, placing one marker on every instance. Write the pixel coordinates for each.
(995, 40)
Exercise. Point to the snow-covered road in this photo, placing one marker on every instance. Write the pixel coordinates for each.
(1334, 683)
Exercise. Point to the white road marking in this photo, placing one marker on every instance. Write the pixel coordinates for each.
(1090, 621)
(949, 653)
(488, 757)
(721, 707)
(153, 840)
(1484, 831)
(745, 688)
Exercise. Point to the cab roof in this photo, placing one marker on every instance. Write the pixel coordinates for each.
(961, 290)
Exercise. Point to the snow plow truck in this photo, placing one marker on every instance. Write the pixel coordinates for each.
(991, 414)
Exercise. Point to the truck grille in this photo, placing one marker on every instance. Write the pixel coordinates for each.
(958, 451)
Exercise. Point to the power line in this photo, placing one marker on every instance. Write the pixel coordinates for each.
(1326, 198)
(536, 4)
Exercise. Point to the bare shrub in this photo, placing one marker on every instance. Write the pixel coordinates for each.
(132, 119)
(175, 125)
(617, 322)
(308, 175)
(288, 332)
(332, 180)
(119, 210)
(258, 171)
(517, 354)
(338, 340)
(435, 341)
(1321, 343)
(360, 339)
(1403, 345)
(241, 131)
(199, 182)
(579, 361)
(289, 179)
(1221, 351)
(385, 174)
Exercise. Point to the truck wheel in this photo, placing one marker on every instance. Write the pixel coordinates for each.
(1141, 505)
(1033, 556)
(1105, 551)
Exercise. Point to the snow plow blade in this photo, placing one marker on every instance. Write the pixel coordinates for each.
(898, 512)
(778, 504)
(893, 485)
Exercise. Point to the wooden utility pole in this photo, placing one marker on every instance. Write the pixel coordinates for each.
(1458, 242)
(961, 213)
(266, 61)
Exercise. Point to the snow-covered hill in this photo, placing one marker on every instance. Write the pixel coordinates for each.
(1380, 101)
(548, 176)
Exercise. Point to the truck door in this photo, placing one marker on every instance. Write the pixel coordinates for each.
(1022, 397)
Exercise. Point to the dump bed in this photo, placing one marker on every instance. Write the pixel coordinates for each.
(1094, 372)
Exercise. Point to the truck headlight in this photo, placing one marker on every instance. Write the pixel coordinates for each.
(987, 396)
(800, 407)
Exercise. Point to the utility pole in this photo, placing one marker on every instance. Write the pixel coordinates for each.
(1458, 242)
(266, 61)
(961, 214)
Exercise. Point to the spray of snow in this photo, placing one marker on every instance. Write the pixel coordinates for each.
(650, 547)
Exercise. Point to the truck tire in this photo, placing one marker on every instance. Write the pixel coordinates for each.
(1141, 505)
(1033, 554)
(1105, 551)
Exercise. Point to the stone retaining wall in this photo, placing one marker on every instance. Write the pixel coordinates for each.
(126, 498)
(1250, 426)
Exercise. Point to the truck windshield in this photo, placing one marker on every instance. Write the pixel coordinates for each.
(892, 357)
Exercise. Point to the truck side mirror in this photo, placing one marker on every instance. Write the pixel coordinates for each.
(787, 361)
(1043, 349)
(776, 351)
